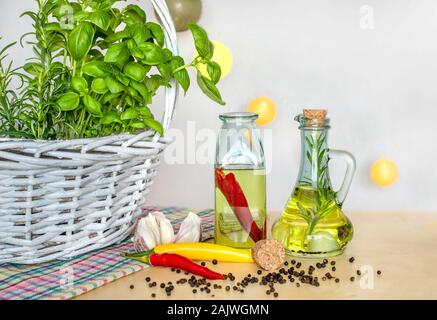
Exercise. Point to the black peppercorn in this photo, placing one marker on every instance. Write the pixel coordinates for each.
(352, 279)
(379, 272)
(214, 261)
(275, 294)
(162, 285)
(351, 259)
(203, 264)
(153, 295)
(148, 279)
(131, 286)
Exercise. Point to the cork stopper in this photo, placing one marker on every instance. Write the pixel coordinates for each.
(315, 117)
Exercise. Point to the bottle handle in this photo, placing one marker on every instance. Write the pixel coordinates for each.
(350, 171)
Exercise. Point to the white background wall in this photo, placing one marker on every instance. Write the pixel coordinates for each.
(379, 86)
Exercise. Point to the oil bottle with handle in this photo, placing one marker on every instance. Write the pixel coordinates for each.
(312, 223)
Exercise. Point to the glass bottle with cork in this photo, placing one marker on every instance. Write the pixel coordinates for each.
(313, 223)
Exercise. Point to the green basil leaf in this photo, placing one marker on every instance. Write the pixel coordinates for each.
(131, 19)
(129, 101)
(153, 54)
(118, 54)
(123, 79)
(214, 71)
(138, 125)
(57, 43)
(155, 125)
(34, 69)
(115, 18)
(99, 86)
(157, 32)
(145, 112)
(204, 47)
(140, 34)
(80, 85)
(53, 26)
(96, 54)
(131, 44)
(96, 69)
(111, 98)
(110, 117)
(101, 19)
(133, 8)
(129, 114)
(69, 101)
(142, 89)
(168, 55)
(113, 85)
(80, 40)
(92, 105)
(134, 94)
(80, 16)
(165, 70)
(154, 82)
(209, 89)
(137, 53)
(181, 76)
(124, 34)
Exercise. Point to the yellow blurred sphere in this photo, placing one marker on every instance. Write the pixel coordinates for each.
(265, 108)
(384, 172)
(222, 56)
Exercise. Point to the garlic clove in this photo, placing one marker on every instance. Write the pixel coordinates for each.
(190, 230)
(145, 237)
(152, 227)
(166, 230)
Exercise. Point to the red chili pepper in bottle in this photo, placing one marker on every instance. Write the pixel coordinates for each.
(176, 261)
(233, 193)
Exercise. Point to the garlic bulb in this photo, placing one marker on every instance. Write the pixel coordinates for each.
(156, 229)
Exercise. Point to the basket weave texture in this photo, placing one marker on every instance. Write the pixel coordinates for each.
(60, 199)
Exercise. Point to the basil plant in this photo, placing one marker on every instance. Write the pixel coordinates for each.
(94, 72)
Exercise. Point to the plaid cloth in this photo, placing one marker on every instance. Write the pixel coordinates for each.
(62, 280)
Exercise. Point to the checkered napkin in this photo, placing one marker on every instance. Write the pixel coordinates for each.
(66, 279)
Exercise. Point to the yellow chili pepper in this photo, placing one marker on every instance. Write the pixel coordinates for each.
(206, 251)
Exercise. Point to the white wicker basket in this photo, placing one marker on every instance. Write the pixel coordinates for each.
(60, 199)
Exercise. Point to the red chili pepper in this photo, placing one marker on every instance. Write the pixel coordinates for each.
(233, 193)
(176, 261)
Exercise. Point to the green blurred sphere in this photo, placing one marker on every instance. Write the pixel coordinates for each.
(184, 12)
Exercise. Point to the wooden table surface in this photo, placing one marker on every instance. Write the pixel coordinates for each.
(402, 245)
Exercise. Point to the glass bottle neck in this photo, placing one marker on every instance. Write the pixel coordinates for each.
(238, 120)
(314, 158)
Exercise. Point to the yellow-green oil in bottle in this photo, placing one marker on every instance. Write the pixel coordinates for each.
(228, 228)
(313, 224)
